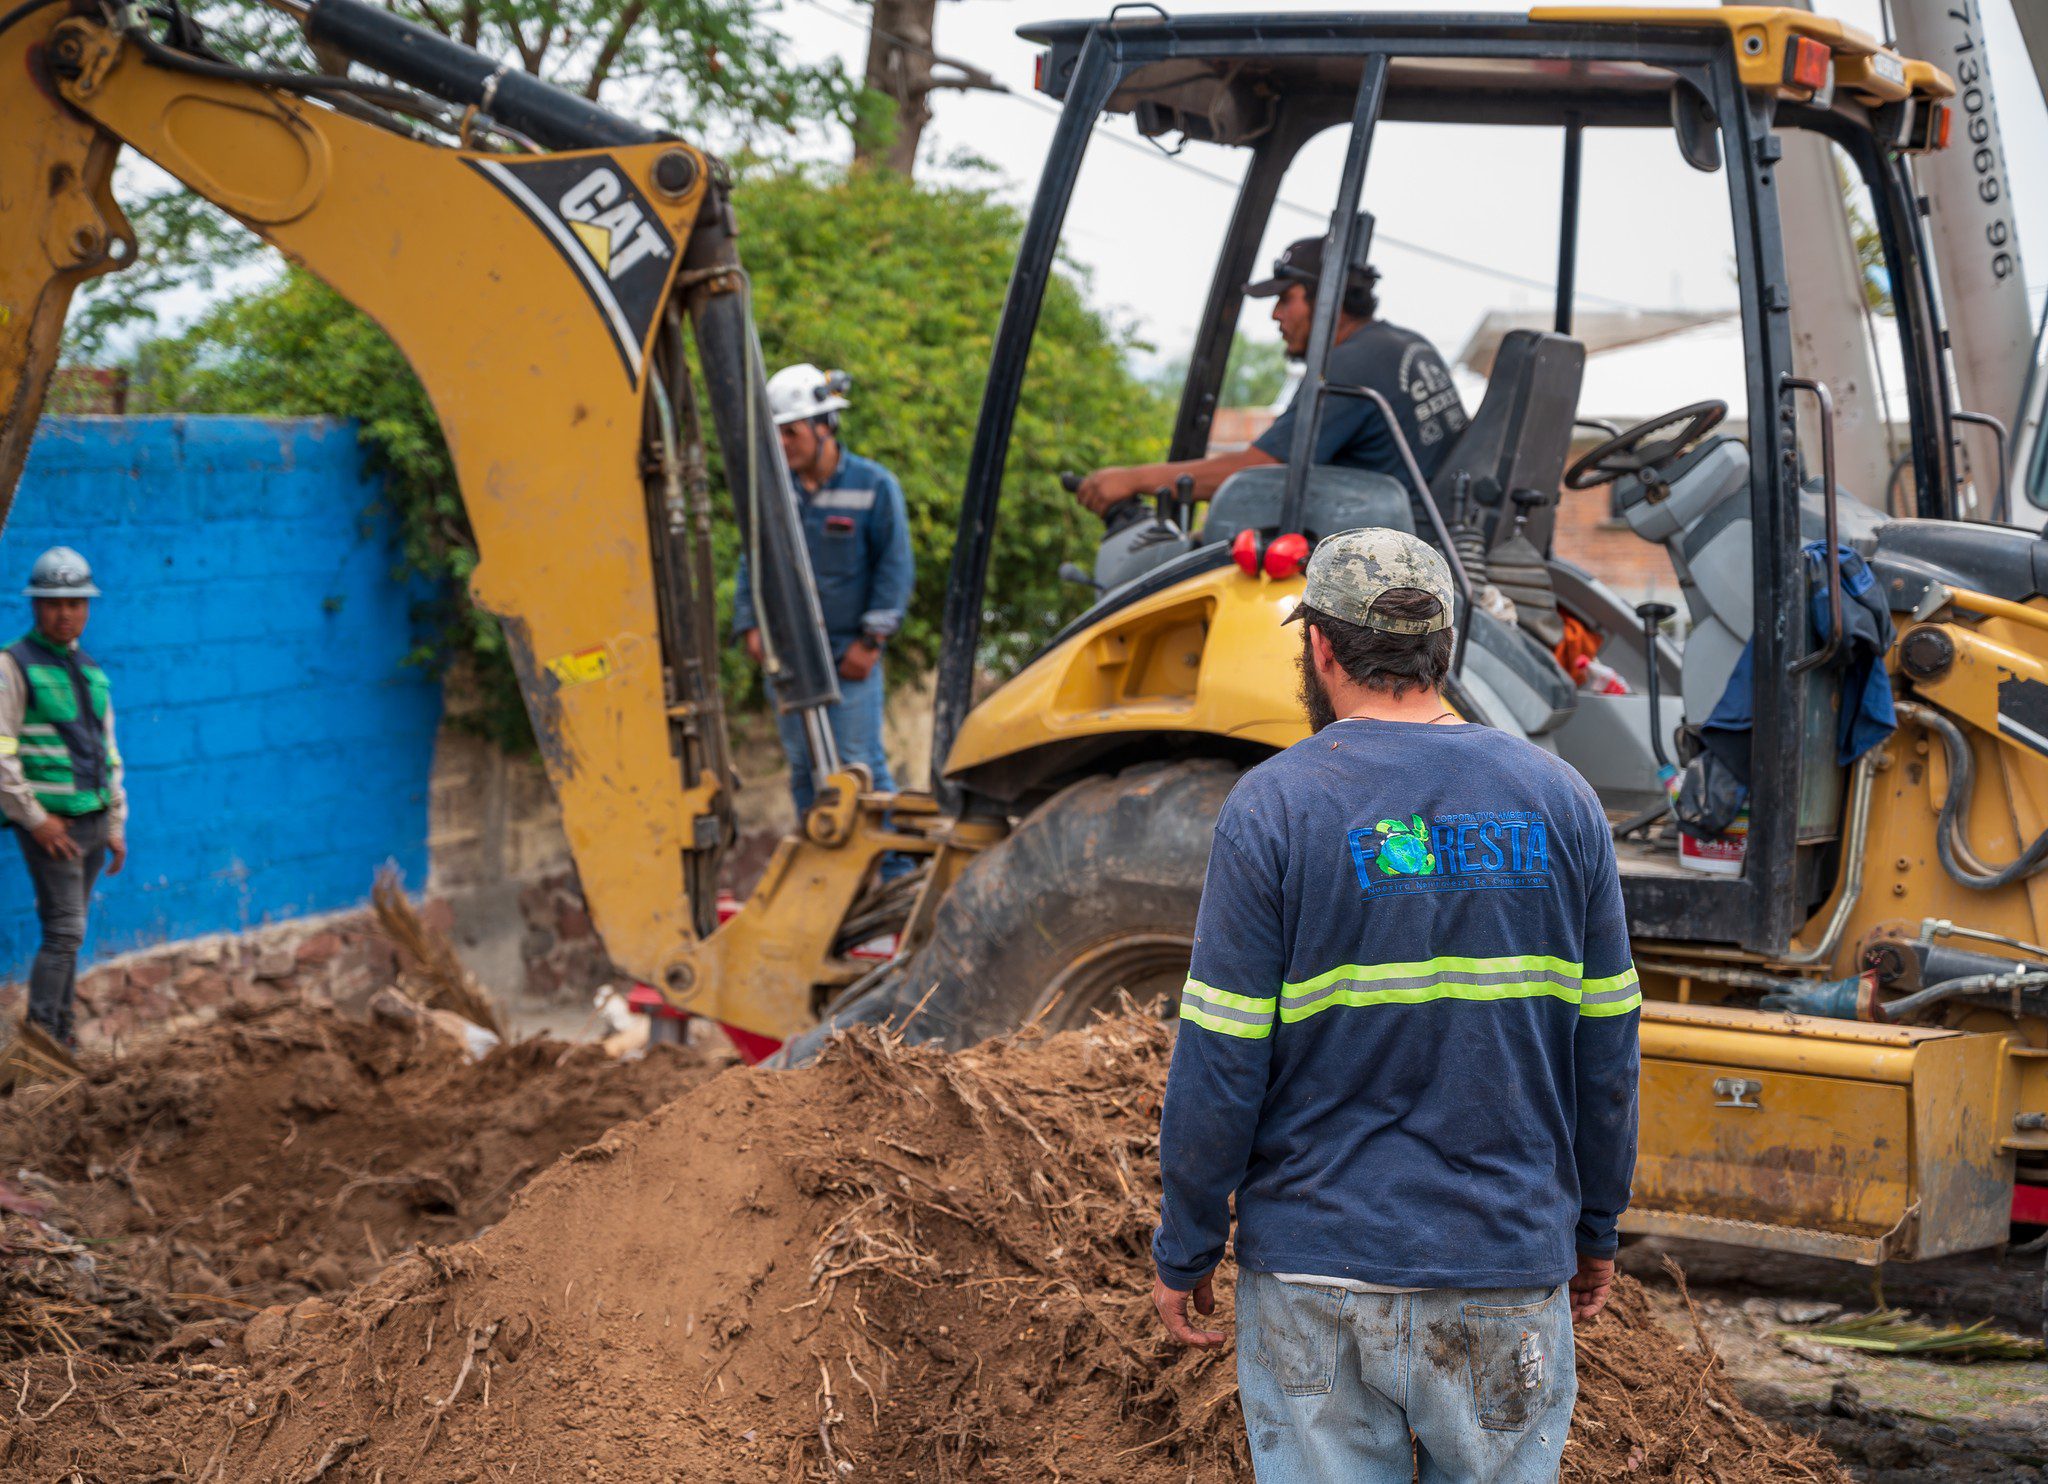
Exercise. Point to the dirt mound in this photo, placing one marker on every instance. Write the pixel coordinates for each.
(898, 1264)
(292, 1151)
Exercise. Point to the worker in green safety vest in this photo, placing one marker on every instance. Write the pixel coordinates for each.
(60, 775)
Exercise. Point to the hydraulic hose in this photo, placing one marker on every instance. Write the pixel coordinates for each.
(1962, 863)
(294, 82)
(2026, 983)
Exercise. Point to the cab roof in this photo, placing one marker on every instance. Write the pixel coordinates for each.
(1220, 72)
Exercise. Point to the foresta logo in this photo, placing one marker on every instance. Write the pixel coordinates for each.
(1490, 851)
(610, 223)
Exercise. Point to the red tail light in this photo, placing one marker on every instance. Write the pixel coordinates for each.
(1807, 62)
(1286, 555)
(1244, 550)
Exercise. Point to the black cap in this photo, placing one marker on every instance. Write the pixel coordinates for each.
(1301, 263)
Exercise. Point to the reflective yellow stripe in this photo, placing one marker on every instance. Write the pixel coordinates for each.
(9, 746)
(1616, 994)
(1247, 1017)
(1194, 1014)
(1217, 996)
(1513, 977)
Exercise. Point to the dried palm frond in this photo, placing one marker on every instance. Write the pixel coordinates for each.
(1895, 1332)
(432, 974)
(28, 1053)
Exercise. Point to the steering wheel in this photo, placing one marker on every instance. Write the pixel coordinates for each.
(1636, 451)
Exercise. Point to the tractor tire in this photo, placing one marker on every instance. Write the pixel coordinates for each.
(1090, 901)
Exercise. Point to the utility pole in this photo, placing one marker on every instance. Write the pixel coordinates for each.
(904, 67)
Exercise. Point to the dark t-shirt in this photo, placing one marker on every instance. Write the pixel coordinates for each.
(1405, 369)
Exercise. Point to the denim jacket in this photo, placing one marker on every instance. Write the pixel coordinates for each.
(858, 536)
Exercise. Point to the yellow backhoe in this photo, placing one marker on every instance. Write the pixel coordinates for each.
(541, 262)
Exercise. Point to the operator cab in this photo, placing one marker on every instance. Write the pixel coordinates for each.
(1716, 497)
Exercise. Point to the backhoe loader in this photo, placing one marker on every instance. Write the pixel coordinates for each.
(541, 297)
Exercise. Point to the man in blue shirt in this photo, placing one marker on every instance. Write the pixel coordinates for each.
(1407, 1046)
(858, 536)
(1367, 351)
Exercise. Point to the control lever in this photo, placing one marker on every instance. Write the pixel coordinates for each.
(1653, 616)
(1120, 516)
(1076, 573)
(1525, 502)
(1175, 505)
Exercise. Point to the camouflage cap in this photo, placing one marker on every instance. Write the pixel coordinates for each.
(1352, 570)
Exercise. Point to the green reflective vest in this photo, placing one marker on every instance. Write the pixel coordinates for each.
(63, 743)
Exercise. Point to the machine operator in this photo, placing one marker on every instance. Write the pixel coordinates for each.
(1399, 364)
(858, 536)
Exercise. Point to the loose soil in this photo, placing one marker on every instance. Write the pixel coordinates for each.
(289, 1151)
(897, 1264)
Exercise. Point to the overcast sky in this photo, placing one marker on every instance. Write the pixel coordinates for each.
(1146, 229)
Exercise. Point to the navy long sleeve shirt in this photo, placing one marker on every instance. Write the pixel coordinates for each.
(1407, 1043)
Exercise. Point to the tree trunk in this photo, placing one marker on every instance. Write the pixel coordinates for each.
(900, 67)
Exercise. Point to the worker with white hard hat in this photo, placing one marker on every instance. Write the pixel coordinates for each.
(858, 535)
(60, 775)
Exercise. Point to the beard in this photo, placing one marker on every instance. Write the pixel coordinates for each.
(1315, 699)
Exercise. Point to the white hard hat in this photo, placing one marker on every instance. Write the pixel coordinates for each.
(60, 572)
(803, 391)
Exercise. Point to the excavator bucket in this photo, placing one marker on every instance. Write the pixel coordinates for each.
(59, 226)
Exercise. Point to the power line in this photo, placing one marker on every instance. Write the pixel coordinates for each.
(1215, 177)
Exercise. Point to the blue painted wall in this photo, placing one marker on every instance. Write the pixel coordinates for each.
(278, 749)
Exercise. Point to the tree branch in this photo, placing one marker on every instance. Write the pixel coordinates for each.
(970, 77)
(614, 43)
(433, 17)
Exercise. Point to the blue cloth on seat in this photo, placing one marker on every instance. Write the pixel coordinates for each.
(1868, 716)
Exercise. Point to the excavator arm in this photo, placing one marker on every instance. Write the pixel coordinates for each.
(545, 298)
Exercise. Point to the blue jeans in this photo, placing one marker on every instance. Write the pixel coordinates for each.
(1449, 1386)
(63, 891)
(856, 727)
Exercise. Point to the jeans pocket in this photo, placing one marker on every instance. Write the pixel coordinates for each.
(1293, 1330)
(1512, 1352)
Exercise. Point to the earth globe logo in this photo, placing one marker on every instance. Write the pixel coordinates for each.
(1404, 848)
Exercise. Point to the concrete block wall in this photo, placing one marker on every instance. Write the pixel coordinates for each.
(278, 747)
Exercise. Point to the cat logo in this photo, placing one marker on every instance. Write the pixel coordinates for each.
(605, 229)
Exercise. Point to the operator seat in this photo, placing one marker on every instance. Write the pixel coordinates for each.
(1519, 437)
(1517, 440)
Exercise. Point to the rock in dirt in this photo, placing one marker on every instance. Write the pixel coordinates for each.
(897, 1264)
(1806, 1311)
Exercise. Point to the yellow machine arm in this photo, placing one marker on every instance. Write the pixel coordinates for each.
(540, 298)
